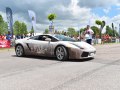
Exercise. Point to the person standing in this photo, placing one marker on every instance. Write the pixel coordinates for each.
(9, 37)
(88, 34)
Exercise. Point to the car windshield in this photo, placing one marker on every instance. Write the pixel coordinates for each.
(64, 38)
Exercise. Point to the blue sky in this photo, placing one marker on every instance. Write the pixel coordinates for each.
(70, 13)
(112, 11)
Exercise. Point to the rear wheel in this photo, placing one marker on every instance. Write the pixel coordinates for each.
(61, 53)
(19, 50)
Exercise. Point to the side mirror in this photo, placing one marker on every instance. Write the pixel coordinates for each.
(48, 39)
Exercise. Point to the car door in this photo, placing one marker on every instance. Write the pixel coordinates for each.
(37, 45)
(50, 45)
(46, 46)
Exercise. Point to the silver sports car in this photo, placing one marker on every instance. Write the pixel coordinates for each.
(59, 46)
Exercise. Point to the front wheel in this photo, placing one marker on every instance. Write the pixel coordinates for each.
(61, 53)
(19, 50)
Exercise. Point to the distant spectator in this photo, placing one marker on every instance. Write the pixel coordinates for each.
(65, 33)
(18, 37)
(9, 37)
(2, 37)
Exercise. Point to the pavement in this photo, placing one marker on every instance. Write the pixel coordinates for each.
(43, 73)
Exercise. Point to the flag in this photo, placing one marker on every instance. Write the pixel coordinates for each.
(32, 16)
(9, 19)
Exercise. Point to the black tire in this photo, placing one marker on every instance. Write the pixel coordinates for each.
(61, 53)
(19, 50)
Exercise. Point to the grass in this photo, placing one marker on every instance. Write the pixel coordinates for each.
(110, 43)
(3, 49)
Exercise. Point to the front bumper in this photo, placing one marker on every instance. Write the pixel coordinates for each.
(88, 54)
(81, 54)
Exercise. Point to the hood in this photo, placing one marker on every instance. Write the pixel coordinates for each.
(83, 45)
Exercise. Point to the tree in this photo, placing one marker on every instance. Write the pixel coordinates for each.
(3, 26)
(51, 17)
(32, 31)
(1, 19)
(98, 22)
(116, 33)
(20, 28)
(96, 30)
(110, 31)
(17, 28)
(63, 32)
(24, 28)
(102, 24)
(82, 30)
(46, 31)
(113, 29)
(71, 31)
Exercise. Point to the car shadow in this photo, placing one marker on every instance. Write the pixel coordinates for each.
(54, 58)
(37, 57)
(79, 60)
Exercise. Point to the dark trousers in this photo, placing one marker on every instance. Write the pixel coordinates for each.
(89, 41)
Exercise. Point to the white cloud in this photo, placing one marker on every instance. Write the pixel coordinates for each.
(116, 18)
(97, 3)
(78, 11)
(106, 10)
(70, 13)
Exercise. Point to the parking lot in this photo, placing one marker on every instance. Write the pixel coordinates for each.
(44, 73)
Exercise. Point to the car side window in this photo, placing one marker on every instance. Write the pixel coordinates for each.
(42, 38)
(52, 39)
(47, 36)
(34, 38)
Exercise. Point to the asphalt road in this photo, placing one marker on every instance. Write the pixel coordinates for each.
(41, 73)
